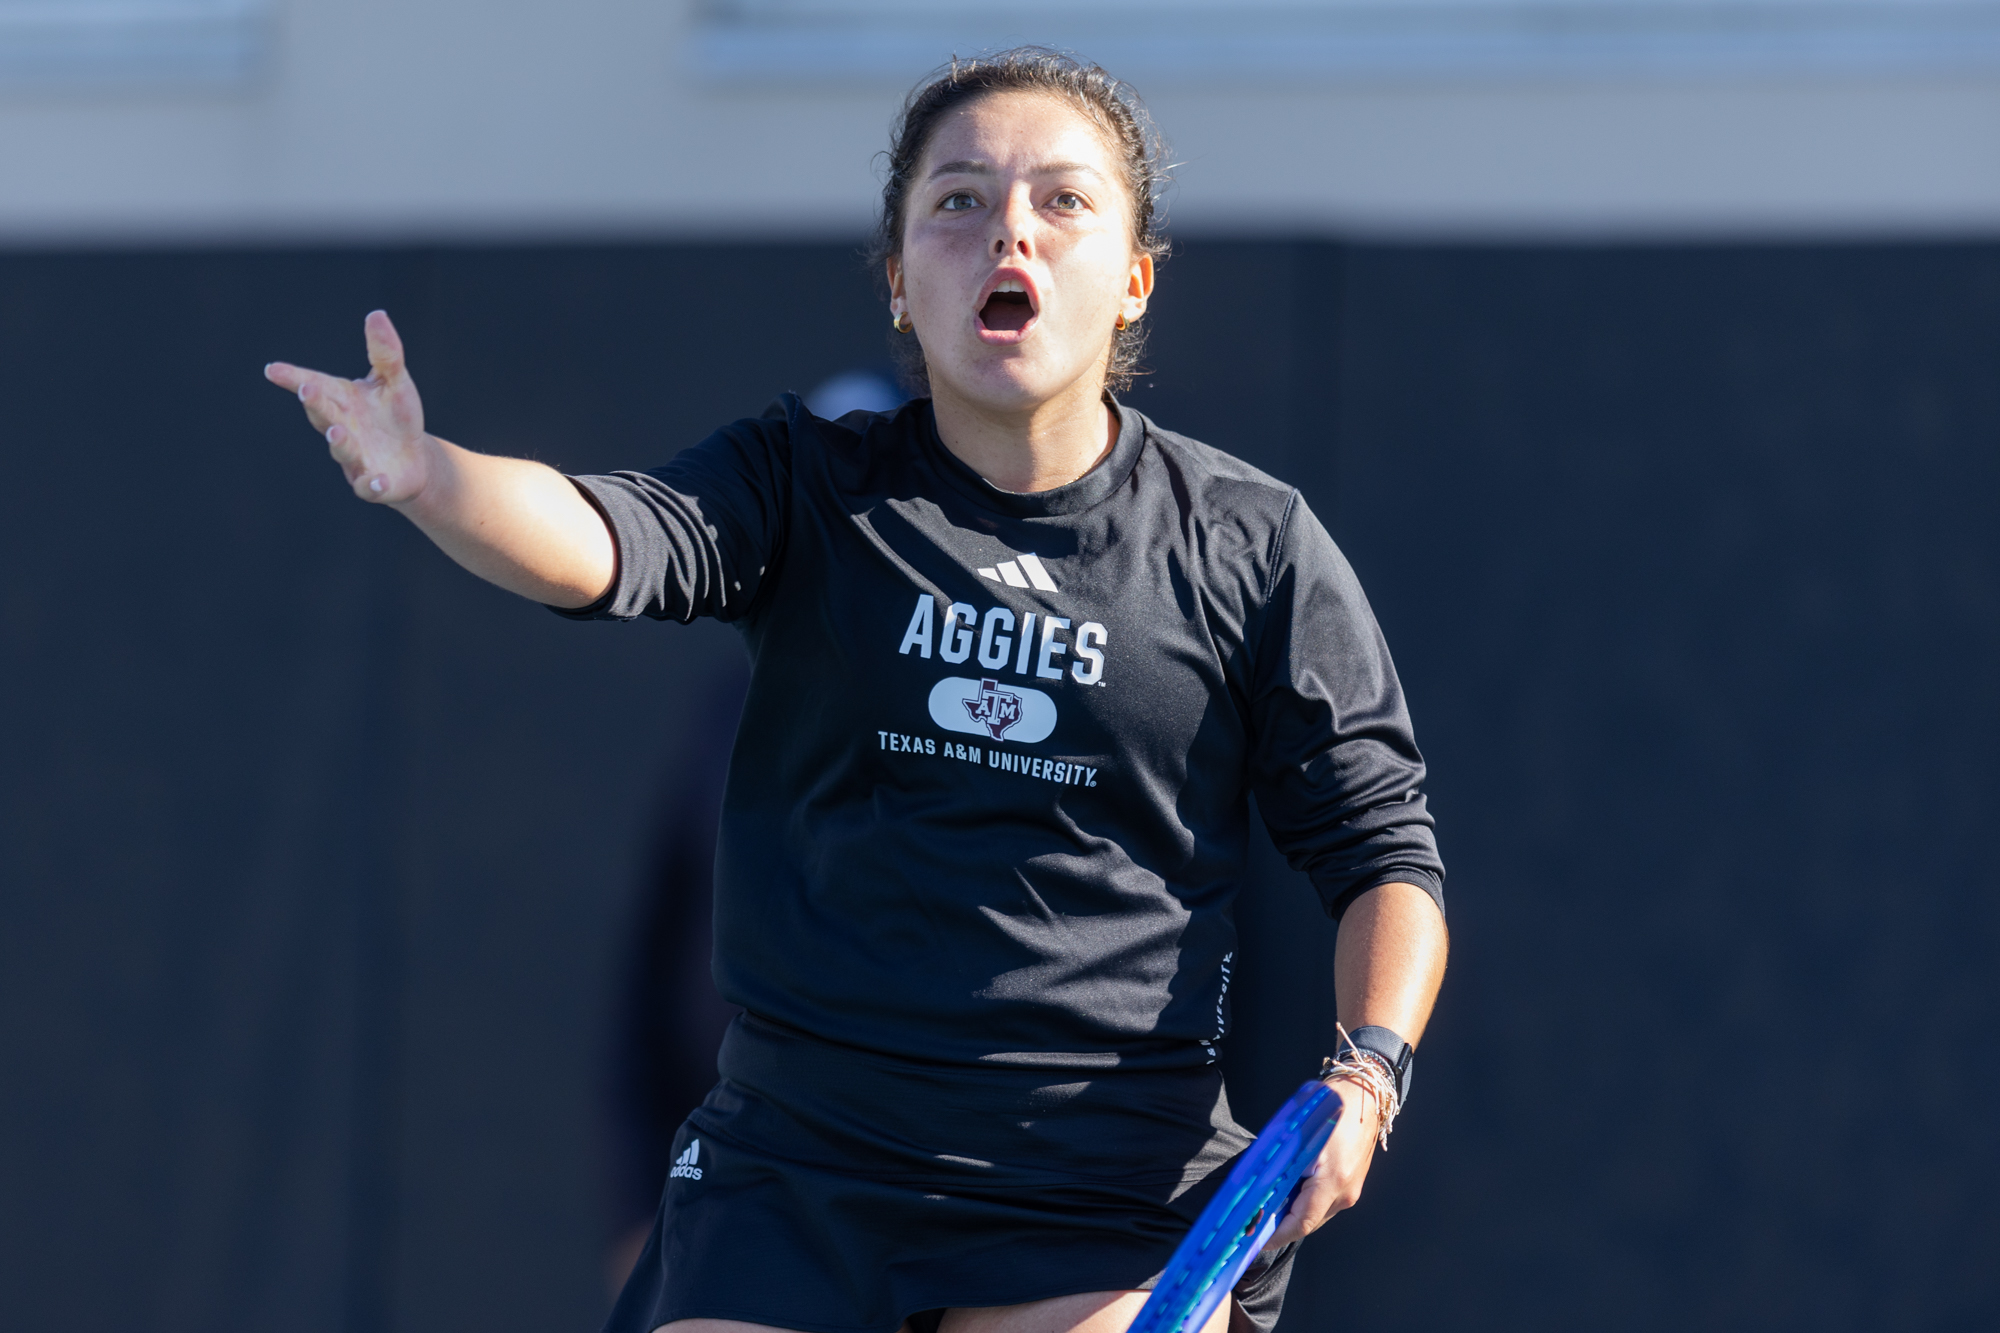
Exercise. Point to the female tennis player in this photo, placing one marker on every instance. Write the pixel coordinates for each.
(1020, 656)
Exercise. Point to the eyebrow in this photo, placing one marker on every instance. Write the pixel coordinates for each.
(972, 166)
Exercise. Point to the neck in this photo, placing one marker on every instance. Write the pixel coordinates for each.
(1038, 449)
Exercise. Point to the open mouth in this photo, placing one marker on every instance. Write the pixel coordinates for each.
(1006, 312)
(1009, 309)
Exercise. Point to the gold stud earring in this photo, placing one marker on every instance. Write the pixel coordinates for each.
(900, 322)
(1120, 325)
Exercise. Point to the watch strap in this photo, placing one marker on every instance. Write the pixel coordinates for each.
(1400, 1056)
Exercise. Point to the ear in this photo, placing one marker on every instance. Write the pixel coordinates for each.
(893, 267)
(1138, 289)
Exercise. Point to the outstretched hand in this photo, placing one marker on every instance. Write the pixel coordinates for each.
(374, 427)
(513, 522)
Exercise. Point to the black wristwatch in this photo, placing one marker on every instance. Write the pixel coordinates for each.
(1398, 1054)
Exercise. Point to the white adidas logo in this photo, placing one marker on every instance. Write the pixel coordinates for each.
(684, 1165)
(1011, 574)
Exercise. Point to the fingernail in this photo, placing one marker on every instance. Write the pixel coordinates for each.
(376, 485)
(333, 435)
(303, 390)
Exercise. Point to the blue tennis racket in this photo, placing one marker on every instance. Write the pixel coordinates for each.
(1242, 1215)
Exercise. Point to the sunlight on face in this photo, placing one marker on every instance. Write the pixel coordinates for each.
(1017, 253)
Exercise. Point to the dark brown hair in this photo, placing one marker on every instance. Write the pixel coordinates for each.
(1112, 104)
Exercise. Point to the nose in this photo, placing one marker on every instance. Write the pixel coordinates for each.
(1013, 227)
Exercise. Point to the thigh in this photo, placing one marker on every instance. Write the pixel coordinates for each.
(1090, 1312)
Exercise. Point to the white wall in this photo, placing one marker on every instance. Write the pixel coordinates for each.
(587, 118)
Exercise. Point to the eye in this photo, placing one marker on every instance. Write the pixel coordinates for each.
(958, 201)
(1069, 201)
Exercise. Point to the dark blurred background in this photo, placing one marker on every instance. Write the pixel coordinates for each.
(322, 858)
(351, 911)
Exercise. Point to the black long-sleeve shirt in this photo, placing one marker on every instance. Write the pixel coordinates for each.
(989, 799)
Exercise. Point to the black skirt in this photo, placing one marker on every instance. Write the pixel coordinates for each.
(831, 1190)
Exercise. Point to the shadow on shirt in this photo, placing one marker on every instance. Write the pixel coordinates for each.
(668, 1020)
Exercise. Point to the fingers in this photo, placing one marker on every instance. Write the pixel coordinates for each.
(285, 375)
(385, 359)
(385, 346)
(1292, 1226)
(369, 424)
(310, 385)
(1290, 1231)
(371, 486)
(326, 398)
(1314, 1207)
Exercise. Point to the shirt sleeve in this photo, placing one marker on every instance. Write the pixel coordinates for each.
(1335, 764)
(699, 536)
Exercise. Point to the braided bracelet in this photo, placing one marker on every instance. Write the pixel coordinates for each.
(1375, 1075)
